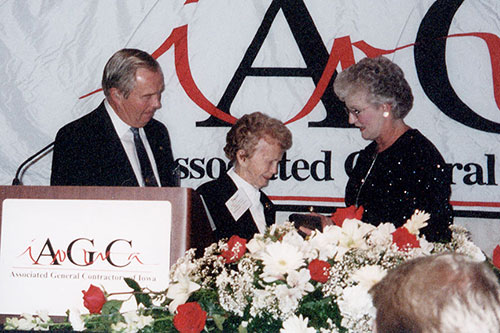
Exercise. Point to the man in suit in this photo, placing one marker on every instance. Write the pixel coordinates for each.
(235, 203)
(119, 143)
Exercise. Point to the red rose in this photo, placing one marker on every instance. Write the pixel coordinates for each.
(319, 270)
(404, 239)
(190, 318)
(93, 299)
(350, 212)
(236, 248)
(496, 257)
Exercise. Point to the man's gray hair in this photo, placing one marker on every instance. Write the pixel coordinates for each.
(120, 70)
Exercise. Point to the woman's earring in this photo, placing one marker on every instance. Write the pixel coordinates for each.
(385, 114)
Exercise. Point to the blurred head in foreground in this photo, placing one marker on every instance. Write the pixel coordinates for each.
(443, 293)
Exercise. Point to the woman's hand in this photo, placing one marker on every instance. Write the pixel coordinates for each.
(325, 220)
(351, 212)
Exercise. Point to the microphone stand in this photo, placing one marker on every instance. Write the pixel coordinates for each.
(17, 180)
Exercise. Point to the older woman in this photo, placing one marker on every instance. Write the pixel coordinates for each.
(401, 170)
(235, 203)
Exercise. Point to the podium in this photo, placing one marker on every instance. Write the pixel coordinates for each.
(80, 256)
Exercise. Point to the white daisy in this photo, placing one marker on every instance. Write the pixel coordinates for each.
(356, 302)
(279, 259)
(296, 324)
(369, 275)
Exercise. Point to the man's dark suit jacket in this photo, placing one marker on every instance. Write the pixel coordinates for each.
(215, 195)
(88, 152)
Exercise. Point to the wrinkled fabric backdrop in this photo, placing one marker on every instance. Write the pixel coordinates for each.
(224, 58)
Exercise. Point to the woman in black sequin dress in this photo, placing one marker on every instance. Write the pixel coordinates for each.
(401, 170)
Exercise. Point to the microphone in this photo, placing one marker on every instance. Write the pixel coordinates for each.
(17, 178)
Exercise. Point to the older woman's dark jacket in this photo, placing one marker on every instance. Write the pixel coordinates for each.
(215, 194)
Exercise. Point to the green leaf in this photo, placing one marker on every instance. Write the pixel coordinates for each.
(231, 324)
(164, 325)
(318, 310)
(265, 322)
(112, 306)
(98, 323)
(60, 327)
(242, 329)
(144, 299)
(219, 321)
(140, 297)
(132, 284)
(208, 300)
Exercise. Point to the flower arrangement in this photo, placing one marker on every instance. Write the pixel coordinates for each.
(275, 282)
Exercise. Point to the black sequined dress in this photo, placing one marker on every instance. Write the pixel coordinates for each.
(411, 174)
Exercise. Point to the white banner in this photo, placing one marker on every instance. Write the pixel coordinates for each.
(225, 58)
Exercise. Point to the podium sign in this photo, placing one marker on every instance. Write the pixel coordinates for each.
(51, 248)
(57, 241)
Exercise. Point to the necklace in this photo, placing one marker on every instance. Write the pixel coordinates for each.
(363, 180)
